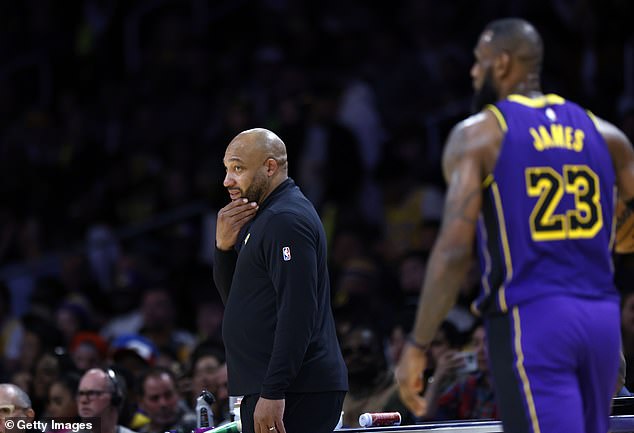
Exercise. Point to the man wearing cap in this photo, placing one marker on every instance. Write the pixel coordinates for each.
(134, 353)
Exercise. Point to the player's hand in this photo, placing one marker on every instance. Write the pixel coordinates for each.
(409, 374)
(267, 414)
(230, 220)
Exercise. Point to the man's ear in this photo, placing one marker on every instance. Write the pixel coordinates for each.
(271, 166)
(502, 65)
(30, 413)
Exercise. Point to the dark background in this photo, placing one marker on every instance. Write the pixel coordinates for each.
(115, 115)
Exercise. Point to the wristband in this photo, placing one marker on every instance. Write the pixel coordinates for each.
(416, 344)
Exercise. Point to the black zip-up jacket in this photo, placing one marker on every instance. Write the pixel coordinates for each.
(278, 327)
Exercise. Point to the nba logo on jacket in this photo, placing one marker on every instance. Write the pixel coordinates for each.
(286, 253)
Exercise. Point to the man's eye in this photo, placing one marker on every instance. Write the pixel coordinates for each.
(238, 168)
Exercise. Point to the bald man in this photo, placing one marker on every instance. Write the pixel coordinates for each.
(270, 269)
(534, 176)
(14, 404)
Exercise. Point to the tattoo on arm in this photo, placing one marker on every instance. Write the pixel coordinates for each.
(460, 199)
(459, 208)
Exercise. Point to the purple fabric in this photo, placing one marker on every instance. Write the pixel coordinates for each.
(571, 357)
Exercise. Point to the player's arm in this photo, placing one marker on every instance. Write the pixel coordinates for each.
(622, 157)
(451, 256)
(463, 166)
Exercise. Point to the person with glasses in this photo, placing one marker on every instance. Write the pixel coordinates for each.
(14, 403)
(100, 395)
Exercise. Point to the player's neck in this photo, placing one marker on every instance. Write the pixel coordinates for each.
(529, 86)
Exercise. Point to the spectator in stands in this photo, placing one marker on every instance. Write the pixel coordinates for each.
(372, 383)
(88, 350)
(470, 396)
(162, 404)
(134, 353)
(72, 316)
(62, 399)
(101, 394)
(48, 368)
(39, 362)
(40, 336)
(159, 324)
(14, 403)
(440, 371)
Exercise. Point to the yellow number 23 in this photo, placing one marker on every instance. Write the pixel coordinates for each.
(581, 222)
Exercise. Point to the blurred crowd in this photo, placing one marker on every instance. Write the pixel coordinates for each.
(114, 117)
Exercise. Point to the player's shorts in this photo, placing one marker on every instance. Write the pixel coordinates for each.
(554, 363)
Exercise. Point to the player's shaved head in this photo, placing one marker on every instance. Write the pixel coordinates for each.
(519, 38)
(256, 164)
(263, 144)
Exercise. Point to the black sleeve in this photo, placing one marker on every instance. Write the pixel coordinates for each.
(290, 249)
(224, 266)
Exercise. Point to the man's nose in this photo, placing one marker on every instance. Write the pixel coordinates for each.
(228, 181)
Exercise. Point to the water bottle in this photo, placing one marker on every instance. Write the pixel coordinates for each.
(204, 415)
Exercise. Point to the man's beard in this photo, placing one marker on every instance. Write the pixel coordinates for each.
(487, 94)
(256, 191)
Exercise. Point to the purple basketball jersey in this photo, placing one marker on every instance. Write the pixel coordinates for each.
(546, 225)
